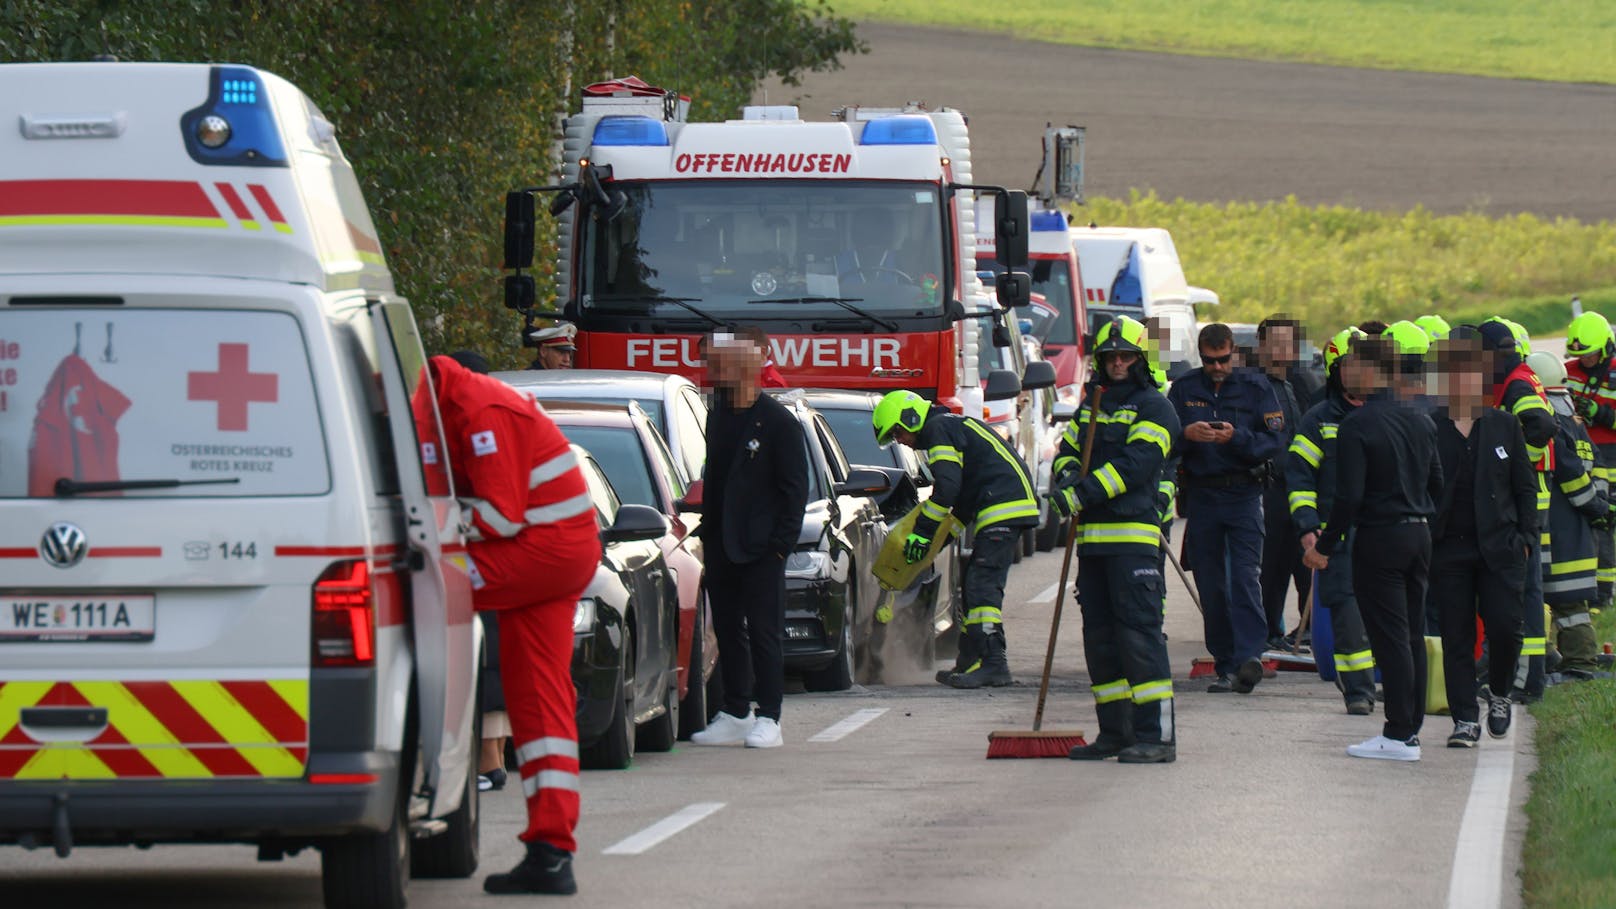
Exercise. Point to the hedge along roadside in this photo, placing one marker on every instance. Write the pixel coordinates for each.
(443, 105)
(1331, 265)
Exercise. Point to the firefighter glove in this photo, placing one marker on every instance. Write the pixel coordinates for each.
(1065, 501)
(914, 548)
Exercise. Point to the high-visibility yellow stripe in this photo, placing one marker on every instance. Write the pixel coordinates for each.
(238, 727)
(943, 453)
(1354, 662)
(1534, 646)
(282, 227)
(932, 510)
(1111, 481)
(1574, 566)
(149, 736)
(14, 696)
(1119, 533)
(1300, 499)
(1151, 432)
(1329, 430)
(82, 763)
(1575, 483)
(120, 220)
(46, 764)
(1012, 460)
(984, 614)
(1303, 447)
(295, 692)
(1008, 511)
(1150, 692)
(1111, 692)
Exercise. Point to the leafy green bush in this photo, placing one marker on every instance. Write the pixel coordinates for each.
(1331, 265)
(443, 105)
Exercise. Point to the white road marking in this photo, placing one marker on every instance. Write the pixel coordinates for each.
(848, 726)
(1048, 594)
(663, 829)
(1477, 879)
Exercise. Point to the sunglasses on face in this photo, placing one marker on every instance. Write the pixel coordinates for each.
(1216, 361)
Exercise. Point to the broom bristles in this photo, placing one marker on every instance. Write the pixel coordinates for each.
(1022, 743)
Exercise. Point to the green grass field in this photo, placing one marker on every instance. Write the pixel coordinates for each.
(1571, 815)
(1557, 40)
(1330, 265)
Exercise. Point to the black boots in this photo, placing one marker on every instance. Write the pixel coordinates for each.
(991, 669)
(1154, 719)
(1105, 745)
(970, 649)
(546, 869)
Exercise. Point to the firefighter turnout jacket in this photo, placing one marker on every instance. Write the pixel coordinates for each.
(1570, 555)
(975, 475)
(1310, 466)
(1121, 498)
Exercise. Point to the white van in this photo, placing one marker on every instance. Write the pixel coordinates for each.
(234, 601)
(1135, 271)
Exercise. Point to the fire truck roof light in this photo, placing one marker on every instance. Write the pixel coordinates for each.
(630, 130)
(1048, 220)
(908, 129)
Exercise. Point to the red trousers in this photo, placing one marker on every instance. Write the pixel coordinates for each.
(534, 582)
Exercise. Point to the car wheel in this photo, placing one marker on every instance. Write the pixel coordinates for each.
(369, 870)
(615, 750)
(453, 853)
(838, 674)
(1049, 533)
(1029, 541)
(693, 709)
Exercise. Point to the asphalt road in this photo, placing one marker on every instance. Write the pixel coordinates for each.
(1217, 130)
(1263, 808)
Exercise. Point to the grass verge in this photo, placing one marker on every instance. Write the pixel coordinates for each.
(1557, 40)
(1570, 836)
(1331, 265)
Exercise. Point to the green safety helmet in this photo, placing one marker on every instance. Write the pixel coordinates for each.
(1590, 333)
(1411, 340)
(1340, 345)
(901, 409)
(1434, 326)
(1523, 340)
(1120, 334)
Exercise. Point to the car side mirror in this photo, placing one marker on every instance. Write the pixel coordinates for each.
(865, 481)
(1013, 289)
(637, 522)
(1064, 412)
(1002, 385)
(692, 499)
(1039, 374)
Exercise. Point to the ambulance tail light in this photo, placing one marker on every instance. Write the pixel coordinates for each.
(345, 615)
(906, 129)
(630, 130)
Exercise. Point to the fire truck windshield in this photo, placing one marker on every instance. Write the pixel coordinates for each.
(726, 245)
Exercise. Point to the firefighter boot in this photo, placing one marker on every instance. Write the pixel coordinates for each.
(1116, 732)
(970, 650)
(545, 869)
(991, 670)
(1153, 724)
(1579, 646)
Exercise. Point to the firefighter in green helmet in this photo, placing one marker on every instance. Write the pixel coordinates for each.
(978, 478)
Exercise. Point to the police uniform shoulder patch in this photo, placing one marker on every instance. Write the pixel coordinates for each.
(1275, 420)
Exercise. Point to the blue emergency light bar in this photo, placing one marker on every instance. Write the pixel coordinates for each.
(905, 129)
(625, 130)
(1048, 220)
(238, 118)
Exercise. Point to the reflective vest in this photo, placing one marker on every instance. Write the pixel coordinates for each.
(1596, 386)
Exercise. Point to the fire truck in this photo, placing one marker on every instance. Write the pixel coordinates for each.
(851, 242)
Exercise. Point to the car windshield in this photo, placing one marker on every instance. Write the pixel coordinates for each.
(1052, 278)
(721, 244)
(618, 452)
(857, 437)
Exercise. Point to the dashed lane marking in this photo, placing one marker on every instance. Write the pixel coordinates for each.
(848, 726)
(1048, 594)
(672, 824)
(1478, 860)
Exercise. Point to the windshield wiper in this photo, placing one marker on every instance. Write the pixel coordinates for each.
(681, 302)
(66, 488)
(844, 302)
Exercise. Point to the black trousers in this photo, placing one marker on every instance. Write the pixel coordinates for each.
(1390, 570)
(749, 618)
(1282, 565)
(1463, 586)
(1121, 600)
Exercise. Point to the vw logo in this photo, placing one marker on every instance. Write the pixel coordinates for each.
(63, 545)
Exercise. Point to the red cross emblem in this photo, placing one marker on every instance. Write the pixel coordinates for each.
(232, 387)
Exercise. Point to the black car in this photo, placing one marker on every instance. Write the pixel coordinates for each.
(625, 655)
(931, 608)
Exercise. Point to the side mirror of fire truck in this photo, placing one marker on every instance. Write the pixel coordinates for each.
(521, 227)
(1002, 385)
(1013, 289)
(606, 203)
(1011, 225)
(1039, 374)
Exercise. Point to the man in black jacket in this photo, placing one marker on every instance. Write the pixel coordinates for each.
(1387, 482)
(1486, 519)
(754, 494)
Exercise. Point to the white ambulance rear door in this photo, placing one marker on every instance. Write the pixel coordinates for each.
(441, 614)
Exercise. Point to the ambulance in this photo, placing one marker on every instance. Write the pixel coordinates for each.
(1135, 271)
(851, 242)
(235, 603)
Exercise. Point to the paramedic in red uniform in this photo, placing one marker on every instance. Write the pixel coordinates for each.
(535, 546)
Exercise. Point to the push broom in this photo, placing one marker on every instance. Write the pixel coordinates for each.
(1040, 742)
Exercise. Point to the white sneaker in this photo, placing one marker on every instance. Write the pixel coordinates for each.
(1381, 748)
(765, 734)
(725, 729)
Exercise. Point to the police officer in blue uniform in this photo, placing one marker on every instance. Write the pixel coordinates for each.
(1233, 428)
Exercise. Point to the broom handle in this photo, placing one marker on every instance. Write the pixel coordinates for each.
(1066, 564)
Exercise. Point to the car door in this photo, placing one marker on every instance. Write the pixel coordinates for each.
(640, 567)
(440, 607)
